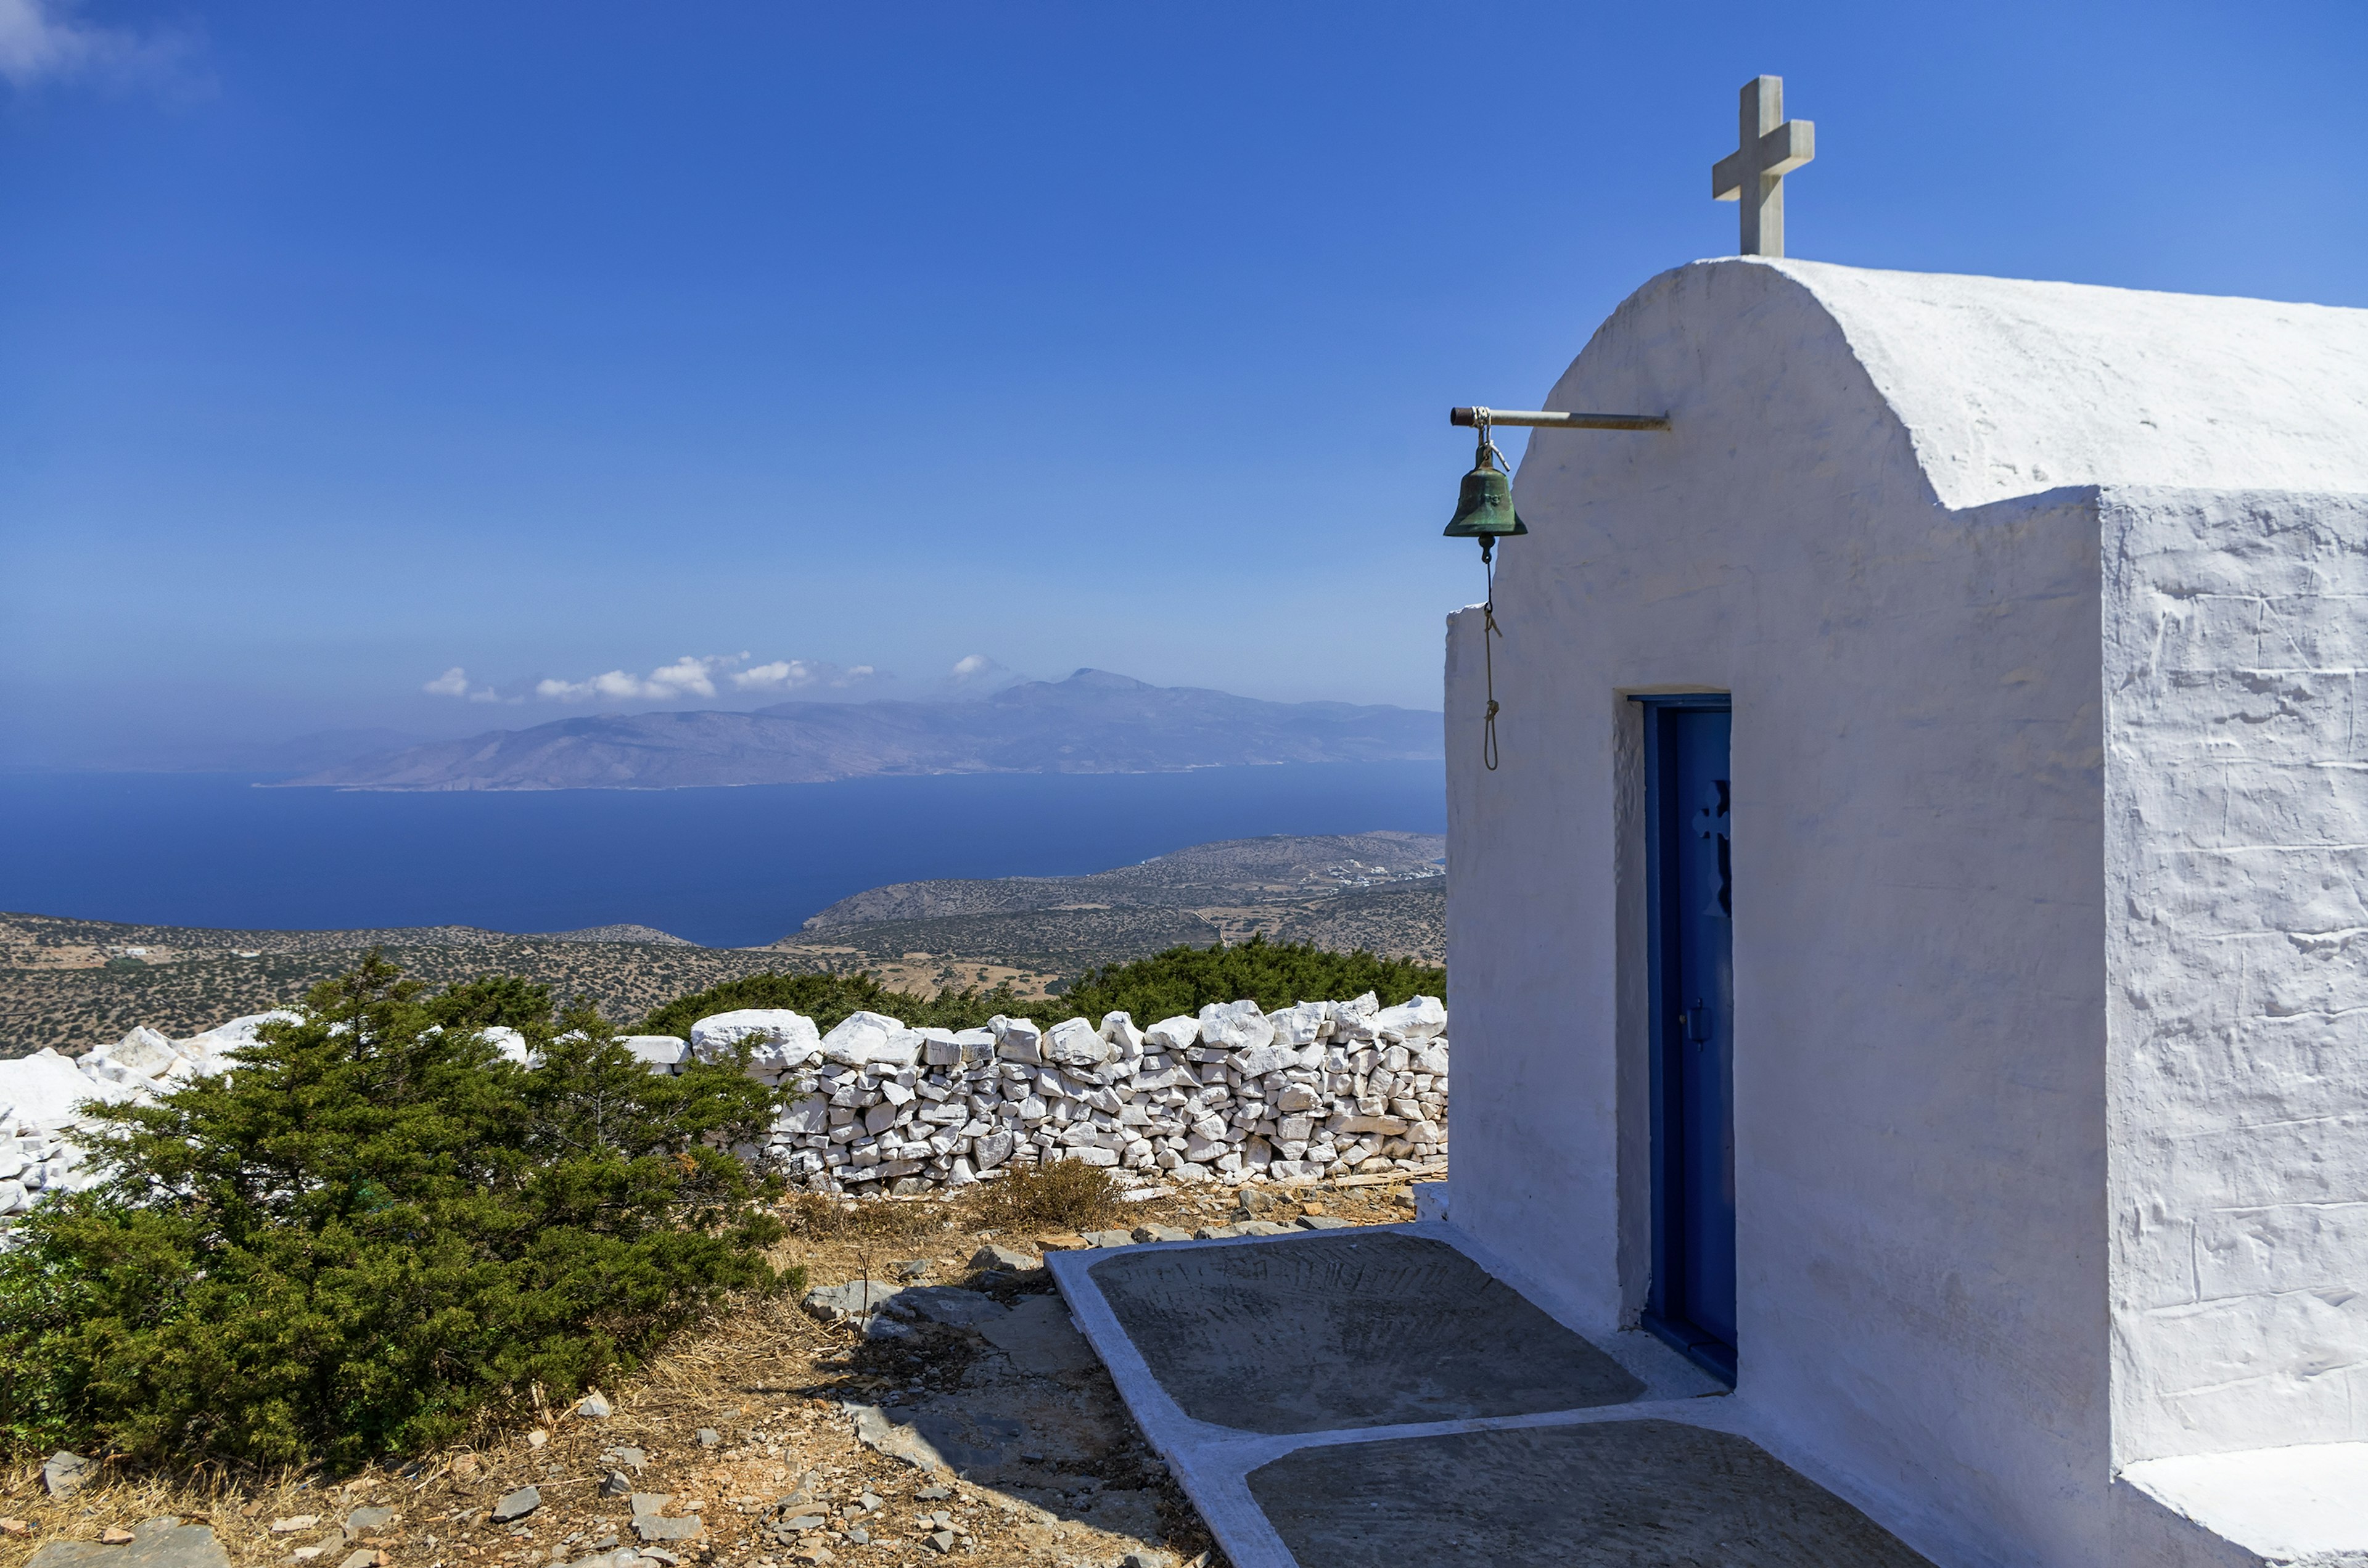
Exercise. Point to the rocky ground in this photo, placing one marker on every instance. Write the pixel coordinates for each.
(765, 1438)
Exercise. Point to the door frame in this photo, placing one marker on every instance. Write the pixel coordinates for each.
(1663, 818)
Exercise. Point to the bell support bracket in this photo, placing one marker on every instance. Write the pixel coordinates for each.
(1550, 420)
(1484, 510)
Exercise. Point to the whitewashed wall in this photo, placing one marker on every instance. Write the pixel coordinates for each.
(1876, 523)
(2237, 640)
(1918, 972)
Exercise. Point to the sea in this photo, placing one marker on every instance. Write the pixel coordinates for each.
(724, 867)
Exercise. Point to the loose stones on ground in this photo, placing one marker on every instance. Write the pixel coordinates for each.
(65, 1472)
(158, 1543)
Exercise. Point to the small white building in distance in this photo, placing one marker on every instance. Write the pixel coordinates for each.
(1910, 955)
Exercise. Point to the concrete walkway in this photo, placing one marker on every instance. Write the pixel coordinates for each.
(1356, 1399)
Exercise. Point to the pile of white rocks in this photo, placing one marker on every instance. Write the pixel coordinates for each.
(1236, 1095)
(38, 1096)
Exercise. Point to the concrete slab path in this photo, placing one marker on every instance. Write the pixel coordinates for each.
(1378, 1396)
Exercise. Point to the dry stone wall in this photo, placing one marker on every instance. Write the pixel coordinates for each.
(1234, 1093)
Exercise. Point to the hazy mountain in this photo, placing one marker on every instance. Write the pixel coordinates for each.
(1091, 722)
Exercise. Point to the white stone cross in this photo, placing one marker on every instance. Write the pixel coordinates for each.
(1771, 147)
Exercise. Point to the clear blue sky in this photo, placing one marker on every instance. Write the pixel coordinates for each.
(342, 345)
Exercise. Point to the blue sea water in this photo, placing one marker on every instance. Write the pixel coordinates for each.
(720, 866)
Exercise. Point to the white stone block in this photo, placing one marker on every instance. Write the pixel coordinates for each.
(143, 1051)
(1258, 1061)
(1353, 1020)
(808, 1116)
(778, 1037)
(1298, 1027)
(1120, 1031)
(213, 1050)
(1075, 1043)
(1172, 1036)
(871, 1040)
(658, 1052)
(1235, 1025)
(1016, 1040)
(1418, 1019)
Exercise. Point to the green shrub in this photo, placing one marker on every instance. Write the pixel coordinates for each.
(374, 1226)
(827, 999)
(506, 1001)
(1275, 974)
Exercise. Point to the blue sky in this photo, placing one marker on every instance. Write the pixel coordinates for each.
(346, 345)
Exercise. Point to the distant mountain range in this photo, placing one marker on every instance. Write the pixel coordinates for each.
(1092, 722)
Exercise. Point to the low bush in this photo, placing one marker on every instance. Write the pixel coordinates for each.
(374, 1226)
(1069, 1196)
(1275, 974)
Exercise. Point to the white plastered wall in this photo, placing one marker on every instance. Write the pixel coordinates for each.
(1919, 987)
(2236, 648)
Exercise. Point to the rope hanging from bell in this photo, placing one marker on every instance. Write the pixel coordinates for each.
(1484, 510)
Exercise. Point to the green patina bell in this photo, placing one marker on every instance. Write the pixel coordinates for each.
(1484, 509)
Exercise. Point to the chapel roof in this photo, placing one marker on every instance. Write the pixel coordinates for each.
(2007, 386)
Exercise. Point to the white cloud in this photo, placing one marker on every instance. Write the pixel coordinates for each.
(792, 674)
(976, 671)
(41, 40)
(693, 677)
(781, 674)
(454, 682)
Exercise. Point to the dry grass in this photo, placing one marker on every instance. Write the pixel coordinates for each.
(820, 1217)
(1070, 1195)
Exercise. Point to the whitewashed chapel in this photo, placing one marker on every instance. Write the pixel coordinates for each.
(1910, 953)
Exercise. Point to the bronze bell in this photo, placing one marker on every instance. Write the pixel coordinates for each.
(1484, 509)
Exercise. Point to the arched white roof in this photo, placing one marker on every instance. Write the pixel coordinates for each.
(2007, 387)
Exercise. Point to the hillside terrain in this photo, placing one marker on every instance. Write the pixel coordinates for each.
(72, 985)
(1231, 871)
(1092, 722)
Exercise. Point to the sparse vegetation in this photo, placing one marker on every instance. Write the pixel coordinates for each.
(1184, 979)
(823, 1217)
(375, 1226)
(1069, 1196)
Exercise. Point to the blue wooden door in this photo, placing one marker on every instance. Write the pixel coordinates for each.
(1692, 917)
